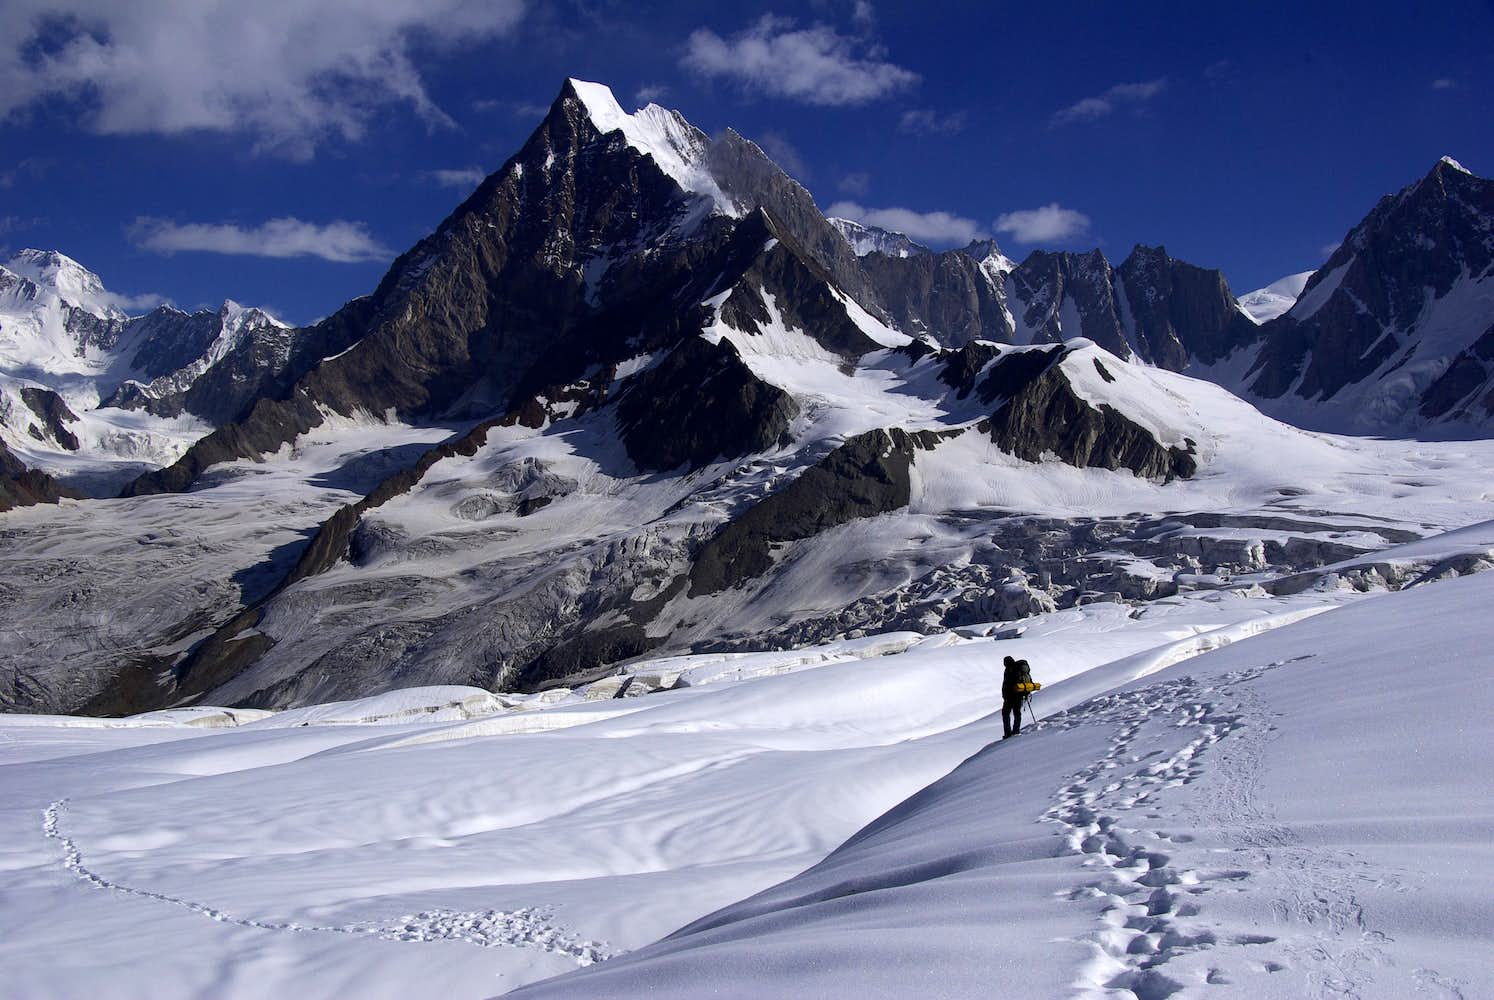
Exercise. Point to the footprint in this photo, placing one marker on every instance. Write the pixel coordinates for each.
(1252, 939)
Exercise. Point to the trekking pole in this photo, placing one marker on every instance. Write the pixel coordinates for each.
(1030, 709)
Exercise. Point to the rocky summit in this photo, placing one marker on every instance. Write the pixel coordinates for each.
(637, 395)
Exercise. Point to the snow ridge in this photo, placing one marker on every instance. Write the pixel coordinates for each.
(674, 144)
(1279, 296)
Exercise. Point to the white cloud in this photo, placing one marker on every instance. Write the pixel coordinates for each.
(1329, 249)
(288, 73)
(925, 121)
(814, 65)
(1444, 83)
(136, 304)
(857, 183)
(464, 177)
(926, 227)
(1050, 224)
(1091, 108)
(342, 242)
(651, 93)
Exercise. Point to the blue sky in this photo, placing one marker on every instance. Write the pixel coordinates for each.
(281, 153)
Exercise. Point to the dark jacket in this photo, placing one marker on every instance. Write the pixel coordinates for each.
(1018, 673)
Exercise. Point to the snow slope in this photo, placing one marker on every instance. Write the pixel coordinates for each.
(348, 850)
(1276, 298)
(1304, 814)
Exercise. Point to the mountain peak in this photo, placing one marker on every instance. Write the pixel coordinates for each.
(865, 239)
(676, 147)
(1448, 161)
(70, 281)
(236, 314)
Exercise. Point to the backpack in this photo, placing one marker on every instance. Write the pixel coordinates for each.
(1021, 681)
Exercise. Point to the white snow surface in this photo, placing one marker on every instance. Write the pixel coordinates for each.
(676, 146)
(1306, 813)
(1177, 819)
(1269, 302)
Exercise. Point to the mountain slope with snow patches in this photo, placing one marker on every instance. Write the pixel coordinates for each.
(636, 396)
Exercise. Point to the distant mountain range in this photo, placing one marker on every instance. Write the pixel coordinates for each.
(670, 390)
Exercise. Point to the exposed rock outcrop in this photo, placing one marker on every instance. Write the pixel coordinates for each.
(1043, 415)
(22, 487)
(866, 476)
(1180, 313)
(53, 414)
(700, 403)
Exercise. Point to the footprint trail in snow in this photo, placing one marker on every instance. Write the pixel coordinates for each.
(1151, 897)
(528, 927)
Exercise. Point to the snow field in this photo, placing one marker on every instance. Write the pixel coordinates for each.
(348, 850)
(1303, 814)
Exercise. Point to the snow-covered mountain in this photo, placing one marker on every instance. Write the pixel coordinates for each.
(866, 239)
(618, 594)
(1269, 302)
(73, 364)
(637, 396)
(1392, 333)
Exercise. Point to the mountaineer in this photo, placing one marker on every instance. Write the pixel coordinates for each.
(1017, 686)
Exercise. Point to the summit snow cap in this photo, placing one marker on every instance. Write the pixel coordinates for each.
(70, 281)
(679, 148)
(1455, 164)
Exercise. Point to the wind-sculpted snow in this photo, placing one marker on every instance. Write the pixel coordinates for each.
(1222, 789)
(349, 849)
(526, 928)
(1299, 814)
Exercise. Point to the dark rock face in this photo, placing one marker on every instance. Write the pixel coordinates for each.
(1410, 250)
(173, 340)
(753, 180)
(53, 414)
(1471, 371)
(946, 295)
(866, 476)
(493, 289)
(1181, 313)
(22, 487)
(1043, 415)
(802, 297)
(1017, 371)
(582, 654)
(1167, 312)
(178, 379)
(961, 367)
(698, 404)
(1045, 279)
